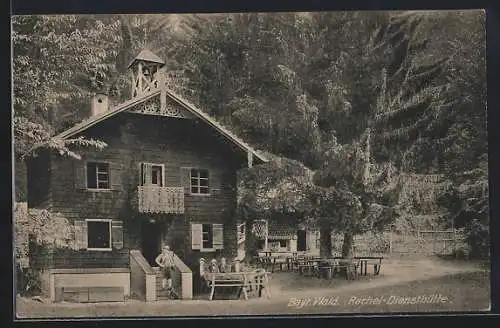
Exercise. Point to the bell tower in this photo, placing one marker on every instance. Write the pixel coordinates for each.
(147, 74)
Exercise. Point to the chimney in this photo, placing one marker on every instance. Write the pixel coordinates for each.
(99, 104)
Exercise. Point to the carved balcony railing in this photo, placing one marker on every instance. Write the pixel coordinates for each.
(155, 200)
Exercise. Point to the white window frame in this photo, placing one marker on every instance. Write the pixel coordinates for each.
(97, 175)
(198, 185)
(162, 173)
(109, 221)
(203, 249)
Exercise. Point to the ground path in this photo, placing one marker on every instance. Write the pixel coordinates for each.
(400, 277)
(398, 271)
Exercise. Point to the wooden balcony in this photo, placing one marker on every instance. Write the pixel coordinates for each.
(154, 199)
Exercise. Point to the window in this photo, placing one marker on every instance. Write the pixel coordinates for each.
(199, 181)
(99, 234)
(156, 175)
(97, 175)
(274, 246)
(207, 236)
(152, 174)
(318, 240)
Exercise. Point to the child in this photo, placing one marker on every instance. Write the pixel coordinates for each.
(214, 268)
(223, 265)
(166, 261)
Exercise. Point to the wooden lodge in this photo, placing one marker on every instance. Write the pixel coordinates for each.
(166, 177)
(283, 238)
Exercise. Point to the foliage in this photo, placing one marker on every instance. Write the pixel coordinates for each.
(32, 137)
(357, 98)
(278, 187)
(40, 226)
(464, 145)
(58, 62)
(351, 203)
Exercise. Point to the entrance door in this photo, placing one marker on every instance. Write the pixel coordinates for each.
(151, 241)
(301, 240)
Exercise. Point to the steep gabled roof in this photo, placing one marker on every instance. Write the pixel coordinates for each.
(281, 231)
(84, 125)
(80, 127)
(148, 56)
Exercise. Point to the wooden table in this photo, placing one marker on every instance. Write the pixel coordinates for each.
(363, 264)
(244, 281)
(331, 264)
(334, 264)
(271, 260)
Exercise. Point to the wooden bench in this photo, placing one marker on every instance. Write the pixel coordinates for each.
(244, 282)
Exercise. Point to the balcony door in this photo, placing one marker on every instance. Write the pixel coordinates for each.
(151, 236)
(152, 174)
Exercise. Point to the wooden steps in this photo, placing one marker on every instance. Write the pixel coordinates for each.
(161, 294)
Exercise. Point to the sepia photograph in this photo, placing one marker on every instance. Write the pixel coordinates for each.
(251, 163)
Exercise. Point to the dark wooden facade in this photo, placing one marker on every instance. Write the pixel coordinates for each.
(57, 183)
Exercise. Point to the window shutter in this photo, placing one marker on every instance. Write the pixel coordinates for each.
(115, 176)
(146, 174)
(80, 177)
(218, 236)
(81, 237)
(196, 236)
(117, 234)
(186, 179)
(141, 177)
(214, 183)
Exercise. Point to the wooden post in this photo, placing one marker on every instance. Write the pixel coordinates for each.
(161, 78)
(390, 239)
(139, 78)
(250, 159)
(454, 237)
(434, 242)
(266, 236)
(134, 85)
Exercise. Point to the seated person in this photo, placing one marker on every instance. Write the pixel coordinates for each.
(213, 267)
(202, 273)
(223, 265)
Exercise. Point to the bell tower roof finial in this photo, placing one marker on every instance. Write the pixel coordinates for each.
(147, 56)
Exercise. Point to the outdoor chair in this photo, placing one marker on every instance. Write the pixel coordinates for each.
(348, 267)
(254, 284)
(326, 270)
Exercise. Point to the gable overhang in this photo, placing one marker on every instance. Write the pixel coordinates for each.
(81, 127)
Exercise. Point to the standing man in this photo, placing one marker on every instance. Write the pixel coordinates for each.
(166, 261)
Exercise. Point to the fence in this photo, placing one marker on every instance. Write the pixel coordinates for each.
(425, 242)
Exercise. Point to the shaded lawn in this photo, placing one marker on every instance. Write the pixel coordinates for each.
(465, 292)
(394, 271)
